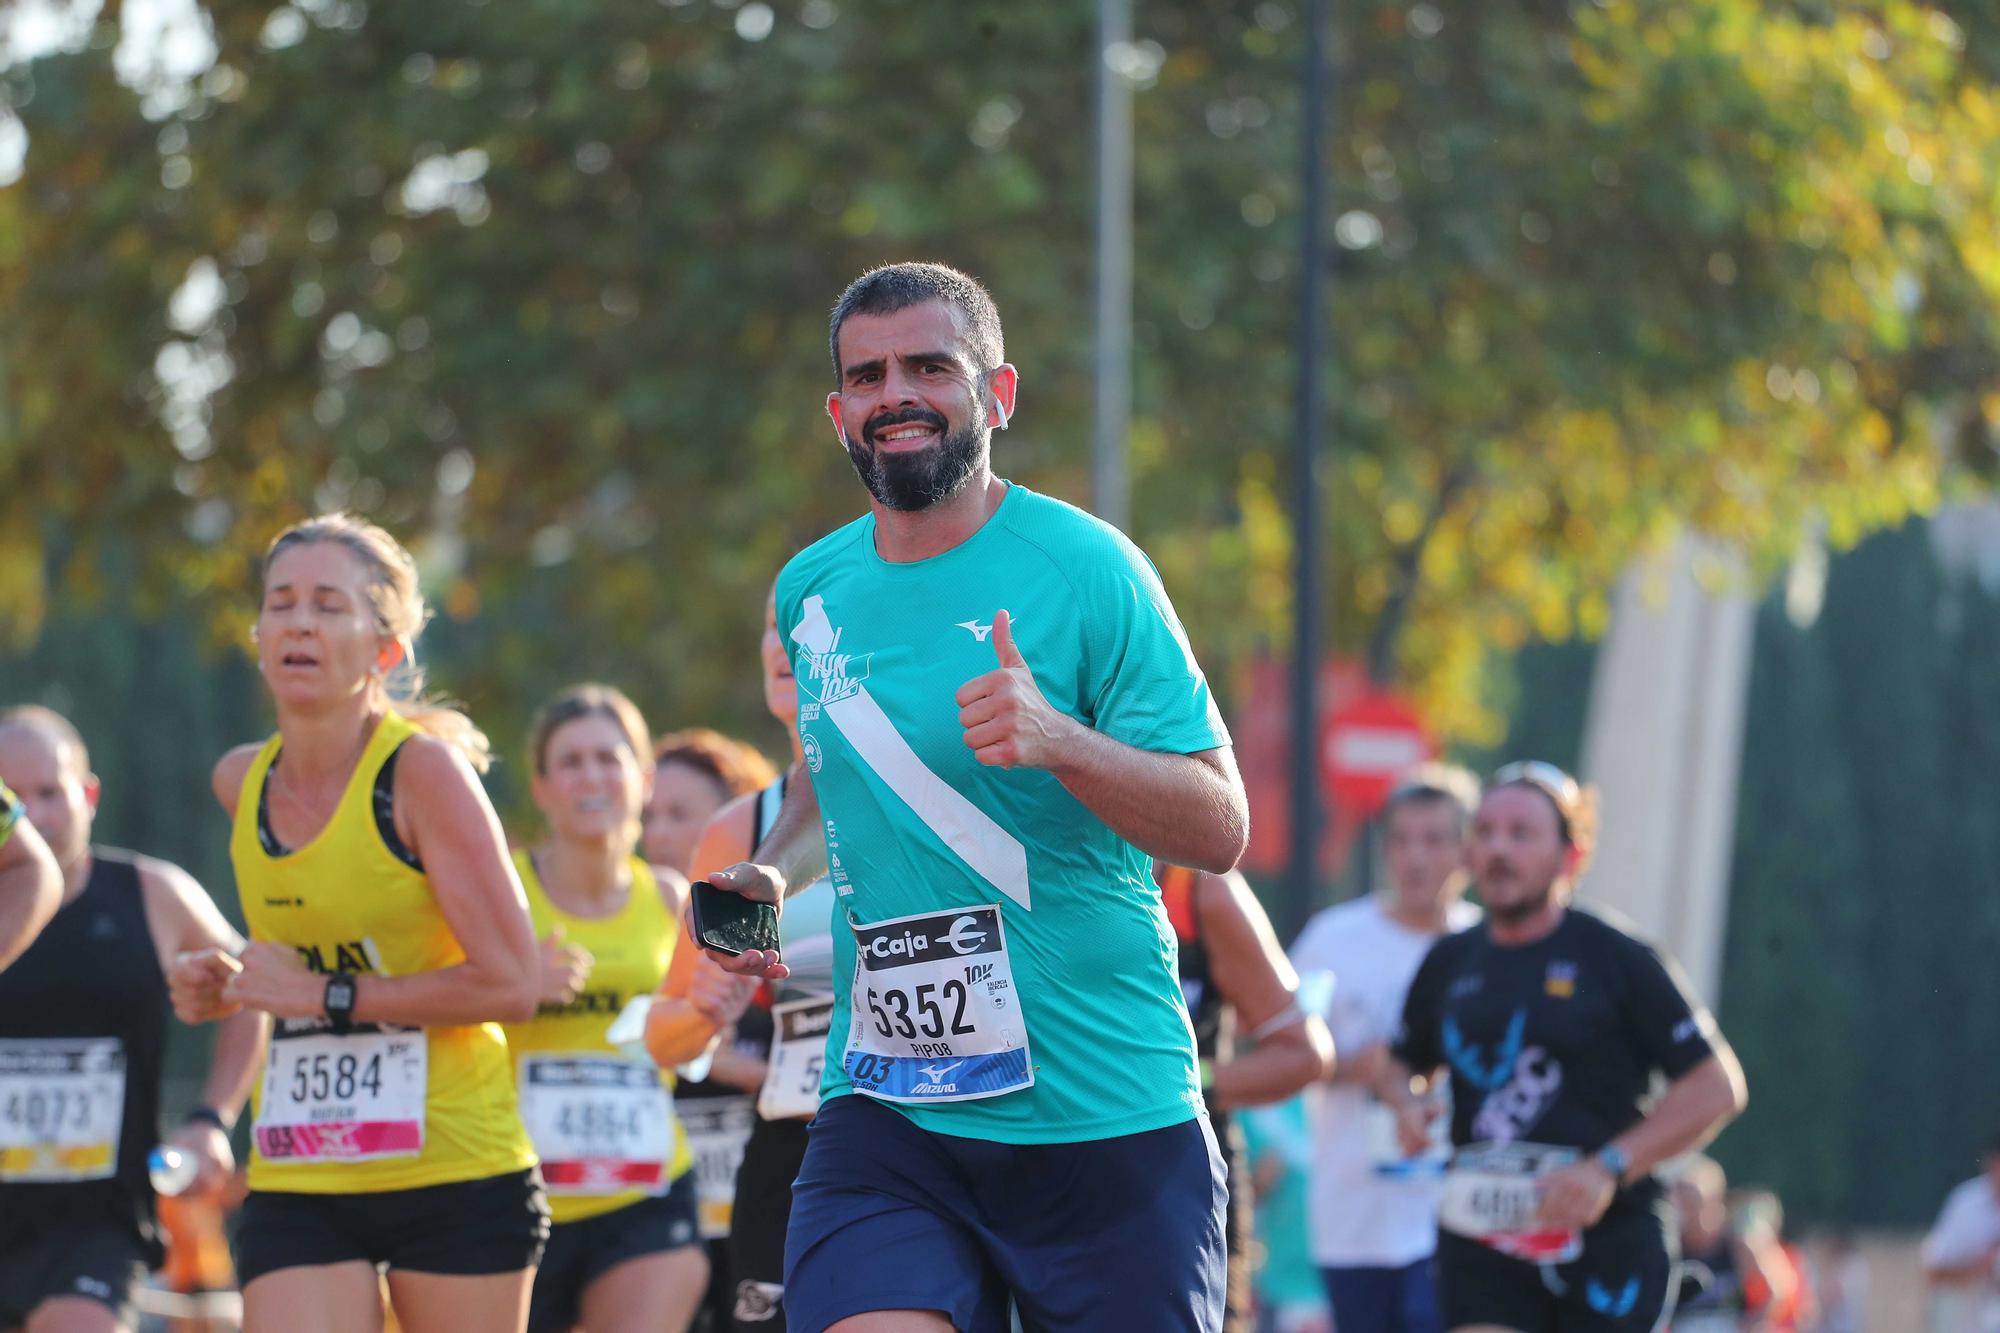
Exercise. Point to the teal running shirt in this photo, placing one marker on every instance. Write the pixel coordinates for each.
(915, 824)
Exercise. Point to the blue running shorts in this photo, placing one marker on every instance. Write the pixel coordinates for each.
(1111, 1234)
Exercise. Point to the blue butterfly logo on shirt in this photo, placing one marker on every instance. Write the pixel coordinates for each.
(1470, 1065)
(1605, 1303)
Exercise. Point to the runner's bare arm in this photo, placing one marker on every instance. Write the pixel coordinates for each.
(197, 948)
(1954, 1269)
(681, 1026)
(1692, 1111)
(1360, 1066)
(796, 845)
(1293, 1047)
(1400, 1088)
(792, 856)
(1186, 808)
(732, 1068)
(30, 889)
(230, 770)
(186, 921)
(443, 815)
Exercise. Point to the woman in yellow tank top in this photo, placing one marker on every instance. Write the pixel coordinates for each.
(625, 1252)
(390, 939)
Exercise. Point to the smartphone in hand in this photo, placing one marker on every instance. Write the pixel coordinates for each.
(730, 923)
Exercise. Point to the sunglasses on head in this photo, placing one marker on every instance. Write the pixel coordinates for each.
(1552, 782)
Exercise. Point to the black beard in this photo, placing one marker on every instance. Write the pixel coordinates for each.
(1515, 913)
(913, 481)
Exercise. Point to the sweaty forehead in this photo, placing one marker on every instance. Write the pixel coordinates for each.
(1521, 802)
(311, 565)
(31, 757)
(588, 731)
(929, 326)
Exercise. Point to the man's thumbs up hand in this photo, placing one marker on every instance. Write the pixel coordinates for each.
(1008, 724)
(1003, 641)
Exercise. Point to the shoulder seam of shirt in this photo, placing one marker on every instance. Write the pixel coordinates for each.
(835, 542)
(1035, 545)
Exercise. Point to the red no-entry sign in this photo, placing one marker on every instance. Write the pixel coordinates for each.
(1365, 745)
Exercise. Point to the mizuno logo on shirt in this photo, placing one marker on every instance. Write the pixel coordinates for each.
(979, 631)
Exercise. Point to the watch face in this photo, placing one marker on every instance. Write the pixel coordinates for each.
(340, 995)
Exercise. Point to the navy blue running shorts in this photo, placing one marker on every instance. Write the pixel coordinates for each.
(1115, 1233)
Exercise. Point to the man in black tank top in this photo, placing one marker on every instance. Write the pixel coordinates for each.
(83, 1022)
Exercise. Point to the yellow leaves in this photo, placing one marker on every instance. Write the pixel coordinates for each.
(1876, 432)
(1401, 522)
(268, 482)
(1146, 443)
(23, 580)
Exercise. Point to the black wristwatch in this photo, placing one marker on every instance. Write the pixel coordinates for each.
(208, 1115)
(340, 1002)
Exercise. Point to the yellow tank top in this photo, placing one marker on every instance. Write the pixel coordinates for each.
(631, 950)
(344, 1115)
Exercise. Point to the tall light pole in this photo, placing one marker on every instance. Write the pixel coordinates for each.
(1111, 487)
(1306, 808)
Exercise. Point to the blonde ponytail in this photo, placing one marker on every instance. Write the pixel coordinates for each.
(400, 613)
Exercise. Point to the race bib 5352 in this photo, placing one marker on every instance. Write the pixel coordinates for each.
(936, 1016)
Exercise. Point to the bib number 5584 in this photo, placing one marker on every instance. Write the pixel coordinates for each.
(325, 1076)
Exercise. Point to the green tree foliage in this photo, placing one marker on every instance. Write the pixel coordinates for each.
(542, 286)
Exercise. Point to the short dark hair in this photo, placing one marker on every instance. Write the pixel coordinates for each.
(1435, 784)
(893, 287)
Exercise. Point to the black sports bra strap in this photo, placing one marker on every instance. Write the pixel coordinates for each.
(383, 803)
(385, 811)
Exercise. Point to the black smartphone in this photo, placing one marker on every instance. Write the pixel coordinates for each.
(730, 923)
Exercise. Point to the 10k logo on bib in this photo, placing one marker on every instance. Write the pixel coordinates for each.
(935, 1013)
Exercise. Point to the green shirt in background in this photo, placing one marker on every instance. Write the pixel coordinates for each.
(1286, 1278)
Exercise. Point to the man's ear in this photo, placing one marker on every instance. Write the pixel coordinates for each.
(1001, 384)
(833, 411)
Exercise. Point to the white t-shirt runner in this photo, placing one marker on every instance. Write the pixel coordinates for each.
(1967, 1229)
(1363, 1215)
